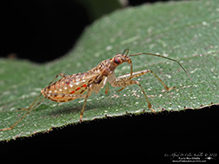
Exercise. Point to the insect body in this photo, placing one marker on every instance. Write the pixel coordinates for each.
(82, 85)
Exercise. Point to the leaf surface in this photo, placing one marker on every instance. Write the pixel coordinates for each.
(186, 31)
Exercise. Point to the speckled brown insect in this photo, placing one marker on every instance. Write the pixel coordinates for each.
(74, 86)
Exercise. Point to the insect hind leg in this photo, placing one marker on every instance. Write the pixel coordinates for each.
(29, 109)
(60, 74)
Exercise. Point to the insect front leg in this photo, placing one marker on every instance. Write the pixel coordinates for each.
(137, 74)
(165, 86)
(125, 80)
(68, 97)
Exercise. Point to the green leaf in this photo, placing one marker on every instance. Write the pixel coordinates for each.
(186, 31)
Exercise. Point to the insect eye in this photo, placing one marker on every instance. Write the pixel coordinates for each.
(117, 60)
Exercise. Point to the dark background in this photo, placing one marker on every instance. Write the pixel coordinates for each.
(147, 137)
(43, 30)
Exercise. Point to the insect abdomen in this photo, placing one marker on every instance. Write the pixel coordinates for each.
(62, 90)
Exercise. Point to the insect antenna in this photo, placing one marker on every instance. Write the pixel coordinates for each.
(161, 57)
(126, 52)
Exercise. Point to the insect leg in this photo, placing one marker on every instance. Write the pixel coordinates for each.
(127, 77)
(139, 73)
(89, 92)
(145, 95)
(123, 82)
(107, 88)
(60, 74)
(31, 107)
(69, 97)
(59, 97)
(165, 86)
(31, 104)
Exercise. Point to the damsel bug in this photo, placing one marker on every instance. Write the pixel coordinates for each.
(71, 87)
